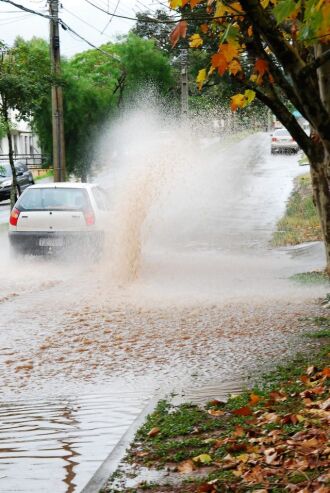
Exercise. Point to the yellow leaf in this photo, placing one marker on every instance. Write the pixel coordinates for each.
(174, 4)
(195, 41)
(242, 457)
(212, 69)
(203, 459)
(324, 28)
(201, 78)
(253, 78)
(249, 96)
(220, 10)
(264, 3)
(237, 101)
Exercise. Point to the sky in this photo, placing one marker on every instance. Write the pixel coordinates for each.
(83, 18)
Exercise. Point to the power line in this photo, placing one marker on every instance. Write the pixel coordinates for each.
(114, 13)
(26, 9)
(66, 27)
(85, 22)
(151, 20)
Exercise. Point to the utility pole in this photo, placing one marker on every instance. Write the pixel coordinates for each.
(184, 82)
(57, 94)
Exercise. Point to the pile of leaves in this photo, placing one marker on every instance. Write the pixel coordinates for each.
(272, 439)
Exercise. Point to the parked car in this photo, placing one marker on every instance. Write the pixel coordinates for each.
(283, 142)
(52, 217)
(24, 179)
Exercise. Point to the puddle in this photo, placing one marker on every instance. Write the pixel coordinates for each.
(56, 444)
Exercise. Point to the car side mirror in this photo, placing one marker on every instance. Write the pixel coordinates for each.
(19, 173)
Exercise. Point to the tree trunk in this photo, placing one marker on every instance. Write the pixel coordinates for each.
(320, 184)
(14, 188)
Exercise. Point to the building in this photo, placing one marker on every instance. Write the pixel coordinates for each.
(25, 144)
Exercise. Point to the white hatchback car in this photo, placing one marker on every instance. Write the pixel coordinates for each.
(53, 217)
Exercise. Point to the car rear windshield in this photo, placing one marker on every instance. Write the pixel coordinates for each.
(282, 132)
(38, 199)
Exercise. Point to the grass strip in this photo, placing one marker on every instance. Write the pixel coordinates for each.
(273, 438)
(300, 222)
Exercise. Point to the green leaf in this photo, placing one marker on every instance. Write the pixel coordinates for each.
(284, 9)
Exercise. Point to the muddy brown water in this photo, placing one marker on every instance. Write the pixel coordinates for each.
(193, 303)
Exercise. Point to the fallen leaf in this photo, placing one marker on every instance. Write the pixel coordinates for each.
(203, 459)
(216, 412)
(326, 372)
(278, 396)
(206, 488)
(310, 370)
(271, 455)
(242, 457)
(216, 402)
(153, 432)
(243, 411)
(254, 399)
(325, 405)
(238, 432)
(186, 466)
(311, 443)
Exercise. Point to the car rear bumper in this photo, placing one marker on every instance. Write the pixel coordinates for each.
(284, 147)
(39, 242)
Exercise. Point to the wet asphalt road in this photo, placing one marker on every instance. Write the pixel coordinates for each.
(83, 345)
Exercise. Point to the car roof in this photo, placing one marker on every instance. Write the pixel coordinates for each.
(63, 185)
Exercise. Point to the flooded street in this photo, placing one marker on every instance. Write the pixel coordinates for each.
(189, 293)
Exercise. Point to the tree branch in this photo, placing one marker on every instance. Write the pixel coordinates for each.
(311, 67)
(265, 24)
(277, 74)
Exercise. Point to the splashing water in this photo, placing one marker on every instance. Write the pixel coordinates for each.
(152, 154)
(193, 210)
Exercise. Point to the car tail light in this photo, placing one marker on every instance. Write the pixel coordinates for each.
(274, 139)
(89, 217)
(14, 216)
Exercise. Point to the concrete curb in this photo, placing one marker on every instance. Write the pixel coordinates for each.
(110, 464)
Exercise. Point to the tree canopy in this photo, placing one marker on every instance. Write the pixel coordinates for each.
(95, 83)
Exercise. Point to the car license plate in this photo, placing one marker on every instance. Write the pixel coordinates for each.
(51, 242)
